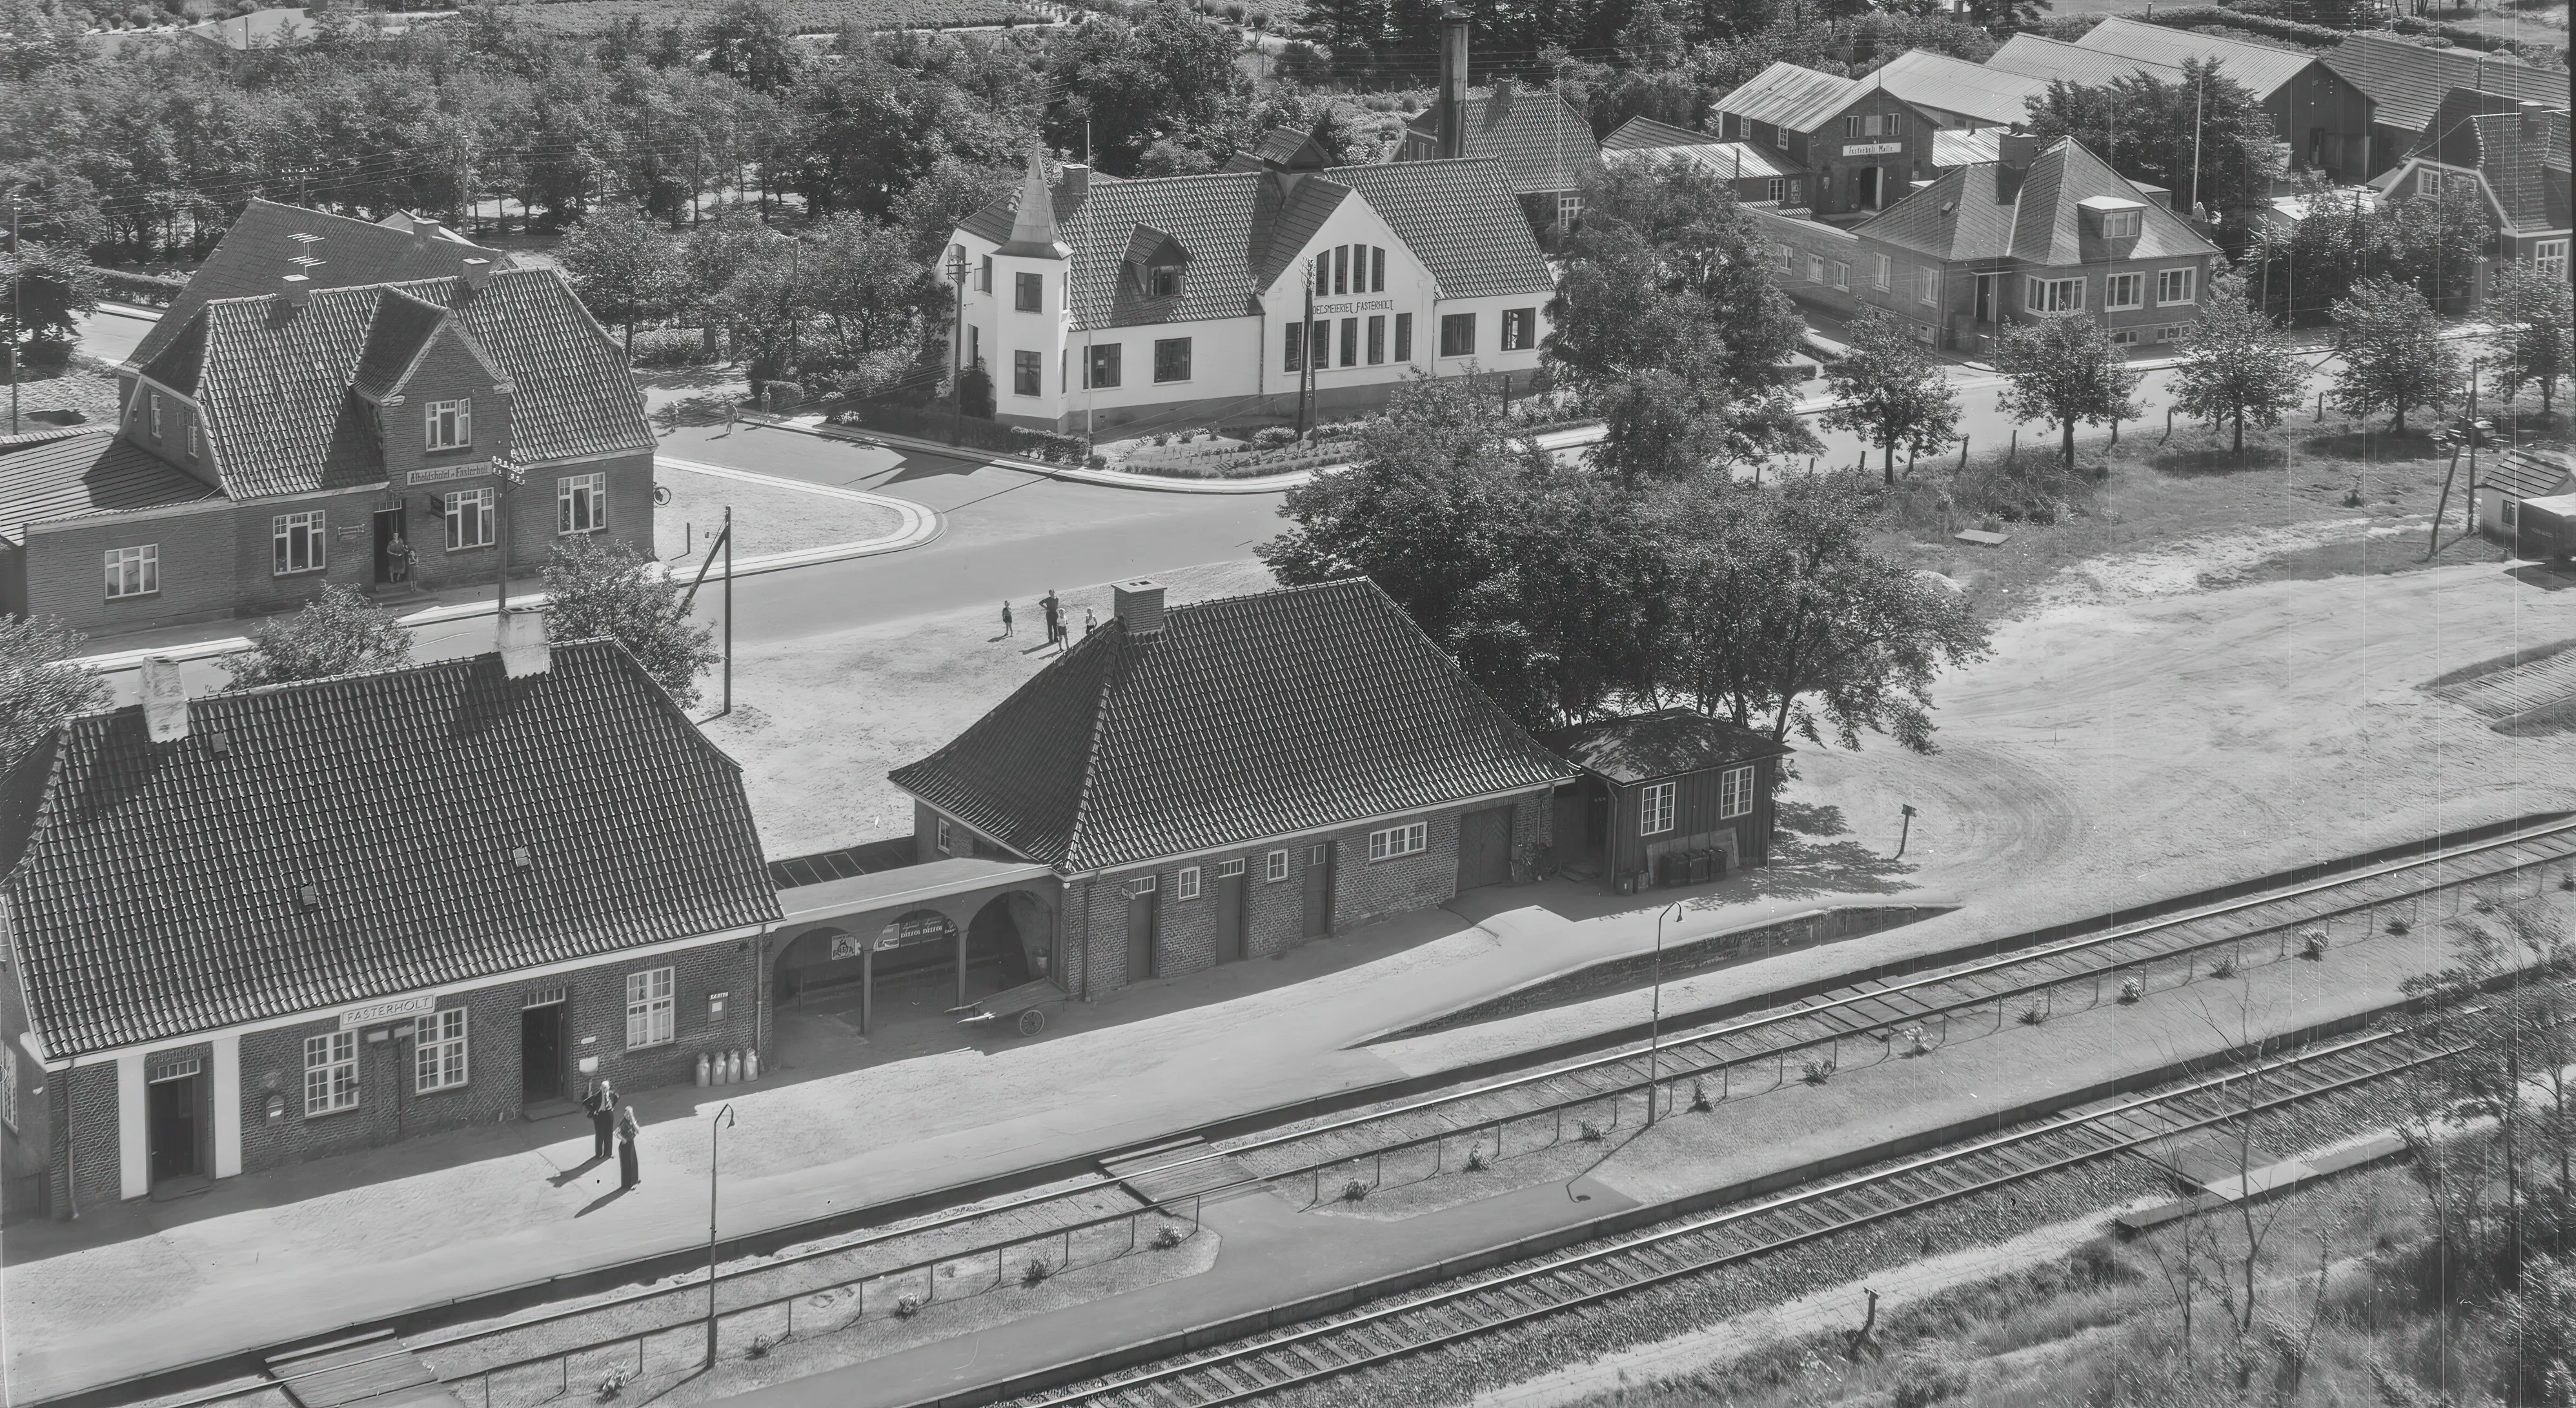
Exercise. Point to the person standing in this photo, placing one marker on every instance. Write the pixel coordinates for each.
(1090, 620)
(1054, 616)
(1006, 620)
(628, 1176)
(602, 1104)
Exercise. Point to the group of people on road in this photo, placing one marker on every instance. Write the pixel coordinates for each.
(1059, 630)
(612, 1121)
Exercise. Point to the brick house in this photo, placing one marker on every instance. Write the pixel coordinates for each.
(1753, 172)
(278, 441)
(2045, 230)
(1219, 781)
(2514, 153)
(1858, 144)
(290, 922)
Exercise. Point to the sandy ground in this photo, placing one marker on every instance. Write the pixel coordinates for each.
(767, 518)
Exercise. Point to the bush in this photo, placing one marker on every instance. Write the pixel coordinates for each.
(1699, 1099)
(975, 391)
(2398, 927)
(1357, 1190)
(906, 1307)
(2313, 946)
(943, 423)
(154, 290)
(1476, 1160)
(2223, 968)
(1036, 1272)
(1166, 1237)
(2033, 1016)
(1274, 437)
(1817, 1072)
(1589, 1132)
(2131, 990)
(671, 347)
(1926, 1377)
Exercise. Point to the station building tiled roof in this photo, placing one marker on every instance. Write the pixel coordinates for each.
(1239, 720)
(85, 472)
(315, 844)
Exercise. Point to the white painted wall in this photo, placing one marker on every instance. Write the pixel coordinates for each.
(133, 1131)
(226, 1093)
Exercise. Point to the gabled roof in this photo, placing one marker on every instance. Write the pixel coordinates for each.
(157, 889)
(256, 251)
(1666, 743)
(1242, 719)
(1725, 160)
(2050, 59)
(2523, 154)
(275, 381)
(1931, 80)
(2261, 68)
(83, 472)
(2406, 82)
(1989, 212)
(2525, 473)
(1460, 219)
(1644, 133)
(403, 328)
(1785, 95)
(1543, 144)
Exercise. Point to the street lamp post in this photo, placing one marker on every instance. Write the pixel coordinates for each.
(957, 377)
(1655, 1022)
(723, 1120)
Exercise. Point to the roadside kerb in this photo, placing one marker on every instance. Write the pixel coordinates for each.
(919, 526)
(588, 1281)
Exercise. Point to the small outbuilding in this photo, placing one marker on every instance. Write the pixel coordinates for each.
(1668, 798)
(2517, 477)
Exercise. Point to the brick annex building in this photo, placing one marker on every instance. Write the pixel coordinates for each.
(332, 401)
(330, 915)
(1218, 781)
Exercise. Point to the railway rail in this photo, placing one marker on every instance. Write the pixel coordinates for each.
(1101, 1216)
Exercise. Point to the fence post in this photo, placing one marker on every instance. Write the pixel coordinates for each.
(2012, 453)
(1963, 452)
(2169, 415)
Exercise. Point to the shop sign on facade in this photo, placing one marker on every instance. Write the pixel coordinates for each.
(387, 1011)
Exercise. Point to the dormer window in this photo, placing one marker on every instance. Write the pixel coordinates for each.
(1164, 281)
(2113, 218)
(451, 424)
(2120, 224)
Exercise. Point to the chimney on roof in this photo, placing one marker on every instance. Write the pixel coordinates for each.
(2015, 149)
(1502, 94)
(1138, 605)
(1453, 83)
(476, 273)
(2534, 118)
(524, 649)
(295, 290)
(165, 699)
(1077, 181)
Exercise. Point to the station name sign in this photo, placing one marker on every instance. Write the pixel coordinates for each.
(395, 1010)
(1873, 148)
(1368, 307)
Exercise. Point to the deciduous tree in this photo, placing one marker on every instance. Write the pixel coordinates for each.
(623, 265)
(2065, 372)
(44, 291)
(336, 633)
(1888, 389)
(2393, 354)
(2532, 310)
(2236, 365)
(39, 685)
(606, 588)
(2145, 128)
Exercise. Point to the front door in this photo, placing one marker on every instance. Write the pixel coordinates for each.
(393, 556)
(1985, 298)
(1229, 917)
(1484, 848)
(1866, 192)
(173, 1124)
(541, 1052)
(1318, 919)
(1140, 936)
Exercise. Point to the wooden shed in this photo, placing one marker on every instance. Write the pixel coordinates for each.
(1668, 798)
(2516, 477)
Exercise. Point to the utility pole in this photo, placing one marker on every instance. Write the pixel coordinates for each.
(508, 476)
(17, 308)
(717, 1125)
(1655, 1022)
(728, 614)
(1306, 352)
(2196, 91)
(957, 336)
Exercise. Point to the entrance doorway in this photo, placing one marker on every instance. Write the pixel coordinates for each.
(1985, 298)
(1140, 929)
(1484, 848)
(393, 554)
(1867, 188)
(1318, 918)
(541, 1052)
(1230, 891)
(171, 1119)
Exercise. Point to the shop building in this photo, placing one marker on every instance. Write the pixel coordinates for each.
(1860, 144)
(269, 926)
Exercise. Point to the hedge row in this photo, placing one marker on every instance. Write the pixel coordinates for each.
(932, 423)
(153, 290)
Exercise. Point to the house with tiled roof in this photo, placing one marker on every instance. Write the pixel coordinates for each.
(2045, 230)
(2319, 113)
(254, 928)
(390, 436)
(1097, 304)
(1544, 145)
(1858, 144)
(1220, 780)
(2406, 83)
(1752, 171)
(2514, 154)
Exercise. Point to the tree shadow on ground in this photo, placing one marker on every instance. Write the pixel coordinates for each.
(2377, 446)
(1802, 869)
(2196, 461)
(1811, 818)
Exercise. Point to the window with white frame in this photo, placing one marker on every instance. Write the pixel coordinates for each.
(2170, 332)
(649, 1008)
(330, 1073)
(2124, 291)
(581, 503)
(2428, 182)
(1227, 869)
(297, 542)
(2124, 337)
(945, 842)
(1788, 260)
(1186, 887)
(1734, 793)
(2055, 295)
(1842, 273)
(438, 1051)
(133, 571)
(1569, 208)
(2551, 258)
(470, 520)
(1655, 809)
(1319, 853)
(1143, 885)
(1815, 269)
(153, 399)
(1275, 866)
(1780, 188)
(1394, 841)
(451, 424)
(2122, 224)
(196, 434)
(2174, 285)
(1885, 276)
(2512, 511)
(1930, 294)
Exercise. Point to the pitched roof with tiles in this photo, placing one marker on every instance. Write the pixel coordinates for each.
(1242, 229)
(1785, 95)
(2261, 68)
(1645, 133)
(1666, 743)
(1930, 80)
(158, 889)
(275, 382)
(1989, 212)
(2041, 57)
(2406, 82)
(1543, 144)
(1242, 719)
(2523, 156)
(260, 246)
(84, 472)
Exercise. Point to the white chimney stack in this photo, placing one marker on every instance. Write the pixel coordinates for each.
(1138, 605)
(165, 699)
(524, 650)
(296, 289)
(477, 273)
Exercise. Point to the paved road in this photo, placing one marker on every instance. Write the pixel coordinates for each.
(111, 336)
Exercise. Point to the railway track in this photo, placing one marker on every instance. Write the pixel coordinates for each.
(1552, 1285)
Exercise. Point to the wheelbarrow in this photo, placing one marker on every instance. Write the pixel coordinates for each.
(1024, 1006)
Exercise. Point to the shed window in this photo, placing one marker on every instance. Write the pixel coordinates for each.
(1275, 866)
(1188, 886)
(330, 1072)
(1409, 839)
(438, 1052)
(649, 1008)
(1735, 793)
(1655, 809)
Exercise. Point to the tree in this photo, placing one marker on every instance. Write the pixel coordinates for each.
(2394, 357)
(2145, 128)
(44, 291)
(2236, 364)
(2064, 372)
(859, 276)
(751, 42)
(1349, 30)
(39, 685)
(1787, 620)
(623, 265)
(1166, 75)
(602, 587)
(2533, 313)
(1888, 389)
(336, 633)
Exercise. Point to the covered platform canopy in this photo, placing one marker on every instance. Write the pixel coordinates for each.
(986, 909)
